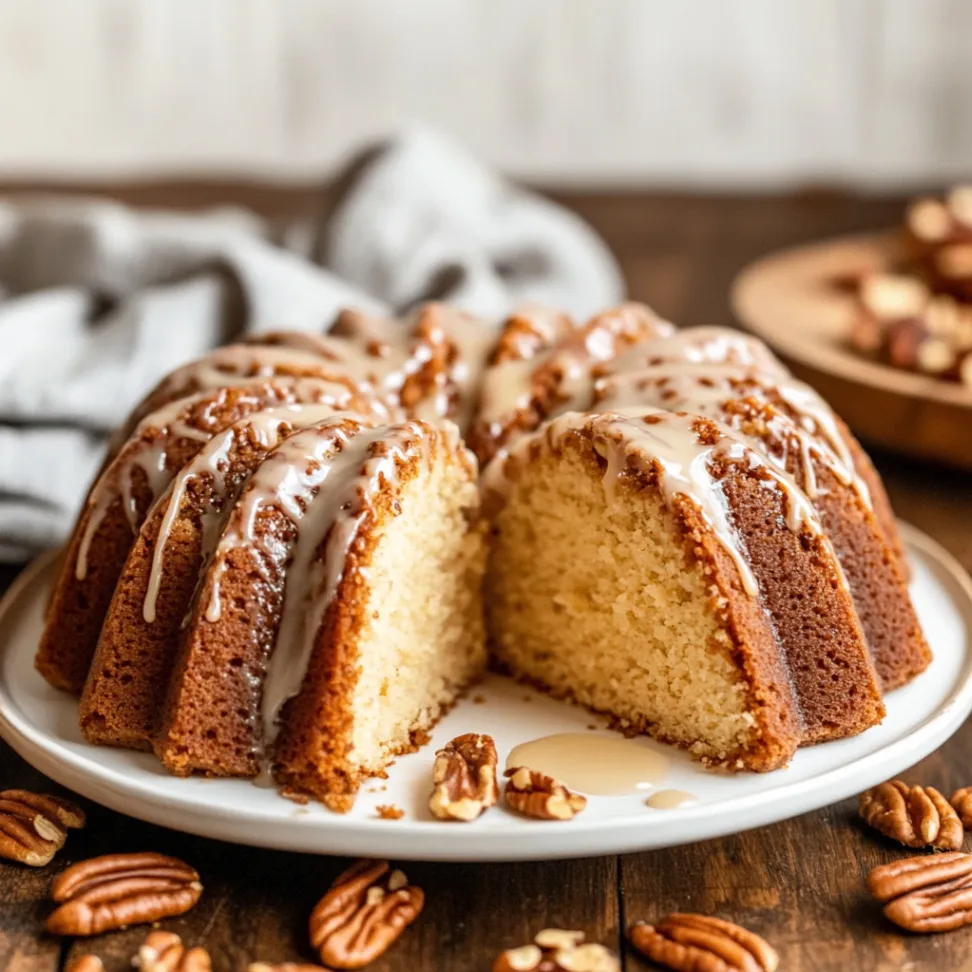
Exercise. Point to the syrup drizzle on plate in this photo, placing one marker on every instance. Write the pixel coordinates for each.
(595, 765)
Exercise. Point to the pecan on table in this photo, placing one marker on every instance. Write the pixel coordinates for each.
(34, 826)
(363, 913)
(925, 894)
(163, 951)
(962, 804)
(698, 943)
(558, 950)
(464, 778)
(543, 797)
(119, 890)
(284, 967)
(915, 816)
(85, 963)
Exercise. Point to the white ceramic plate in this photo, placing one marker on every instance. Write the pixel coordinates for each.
(41, 724)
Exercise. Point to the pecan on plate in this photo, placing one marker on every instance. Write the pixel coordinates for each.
(119, 890)
(34, 826)
(558, 950)
(163, 951)
(698, 943)
(366, 909)
(925, 894)
(962, 804)
(464, 778)
(543, 797)
(915, 816)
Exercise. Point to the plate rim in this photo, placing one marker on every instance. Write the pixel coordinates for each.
(418, 839)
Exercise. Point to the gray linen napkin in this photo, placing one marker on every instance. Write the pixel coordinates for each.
(98, 302)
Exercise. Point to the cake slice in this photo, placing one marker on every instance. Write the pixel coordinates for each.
(792, 427)
(129, 675)
(161, 444)
(653, 566)
(340, 615)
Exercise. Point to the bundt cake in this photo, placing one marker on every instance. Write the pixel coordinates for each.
(281, 570)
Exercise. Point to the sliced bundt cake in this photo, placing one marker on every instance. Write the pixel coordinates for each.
(280, 565)
(340, 614)
(653, 566)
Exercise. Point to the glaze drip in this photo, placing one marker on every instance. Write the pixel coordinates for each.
(148, 451)
(213, 464)
(555, 373)
(789, 411)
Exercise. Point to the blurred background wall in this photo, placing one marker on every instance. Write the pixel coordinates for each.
(561, 92)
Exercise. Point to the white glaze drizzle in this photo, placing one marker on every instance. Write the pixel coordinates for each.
(509, 386)
(707, 388)
(167, 424)
(265, 429)
(471, 340)
(380, 367)
(716, 345)
(241, 364)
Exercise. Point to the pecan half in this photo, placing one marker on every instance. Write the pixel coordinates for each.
(557, 950)
(698, 943)
(962, 804)
(34, 826)
(119, 890)
(284, 967)
(925, 894)
(85, 963)
(162, 951)
(366, 909)
(915, 816)
(543, 797)
(464, 778)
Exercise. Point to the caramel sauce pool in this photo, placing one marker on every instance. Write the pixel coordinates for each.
(596, 765)
(671, 799)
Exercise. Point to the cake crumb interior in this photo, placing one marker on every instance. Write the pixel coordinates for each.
(591, 595)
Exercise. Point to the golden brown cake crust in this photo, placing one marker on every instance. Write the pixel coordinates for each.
(171, 436)
(132, 665)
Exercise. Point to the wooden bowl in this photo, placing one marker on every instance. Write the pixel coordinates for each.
(794, 301)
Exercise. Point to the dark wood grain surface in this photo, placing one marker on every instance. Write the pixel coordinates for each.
(798, 883)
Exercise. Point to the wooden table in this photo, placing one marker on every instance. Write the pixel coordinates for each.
(799, 883)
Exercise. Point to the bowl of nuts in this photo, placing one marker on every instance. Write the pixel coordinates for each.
(881, 325)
